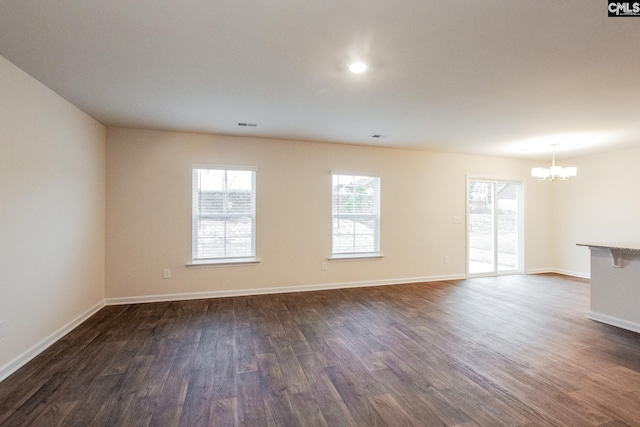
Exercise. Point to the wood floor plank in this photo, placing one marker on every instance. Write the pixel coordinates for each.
(223, 413)
(245, 360)
(505, 351)
(139, 412)
(102, 389)
(37, 402)
(391, 412)
(354, 391)
(274, 390)
(195, 410)
(170, 399)
(251, 409)
(306, 410)
(320, 385)
(294, 378)
(112, 411)
(54, 414)
(156, 375)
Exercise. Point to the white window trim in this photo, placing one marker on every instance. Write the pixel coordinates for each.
(359, 255)
(355, 256)
(222, 262)
(204, 262)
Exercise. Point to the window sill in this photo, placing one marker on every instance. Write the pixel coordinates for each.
(225, 262)
(355, 257)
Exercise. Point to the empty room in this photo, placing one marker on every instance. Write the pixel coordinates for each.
(312, 213)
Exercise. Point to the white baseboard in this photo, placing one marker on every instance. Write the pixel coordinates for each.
(18, 362)
(276, 290)
(558, 271)
(539, 271)
(572, 273)
(614, 321)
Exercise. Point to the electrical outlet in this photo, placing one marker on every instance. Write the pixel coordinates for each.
(324, 266)
(1, 328)
(166, 273)
(456, 219)
(446, 260)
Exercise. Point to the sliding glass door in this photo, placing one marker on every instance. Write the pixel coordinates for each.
(494, 227)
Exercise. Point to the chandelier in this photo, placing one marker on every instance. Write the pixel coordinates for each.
(554, 173)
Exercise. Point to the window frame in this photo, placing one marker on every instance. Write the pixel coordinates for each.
(196, 214)
(376, 252)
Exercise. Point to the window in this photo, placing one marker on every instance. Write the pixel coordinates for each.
(224, 215)
(356, 215)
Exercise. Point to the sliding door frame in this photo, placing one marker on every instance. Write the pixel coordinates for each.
(496, 180)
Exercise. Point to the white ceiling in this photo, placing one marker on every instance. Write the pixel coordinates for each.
(476, 76)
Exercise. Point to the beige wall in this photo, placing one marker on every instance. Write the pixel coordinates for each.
(149, 212)
(52, 163)
(602, 204)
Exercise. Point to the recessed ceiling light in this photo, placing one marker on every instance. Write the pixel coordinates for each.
(358, 67)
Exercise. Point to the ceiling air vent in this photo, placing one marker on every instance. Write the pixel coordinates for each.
(250, 125)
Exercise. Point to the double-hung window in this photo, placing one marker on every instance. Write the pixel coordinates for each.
(356, 215)
(224, 215)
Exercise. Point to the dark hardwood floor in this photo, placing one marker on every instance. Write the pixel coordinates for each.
(507, 351)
